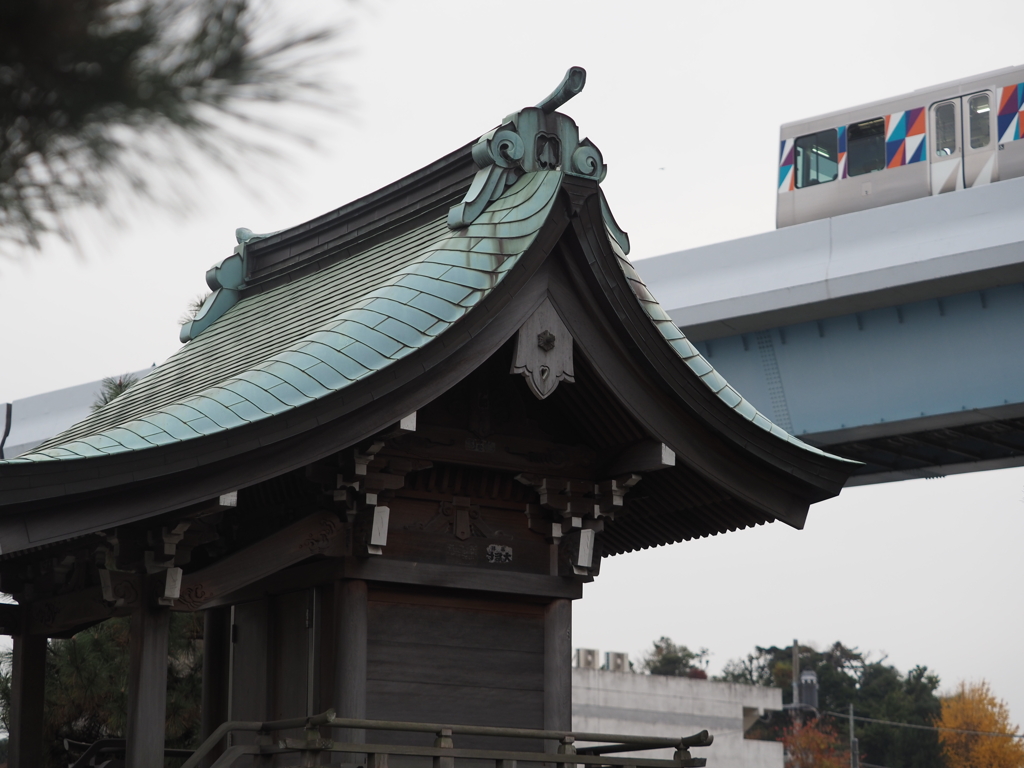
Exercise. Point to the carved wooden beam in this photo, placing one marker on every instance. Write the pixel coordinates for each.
(515, 453)
(11, 619)
(571, 513)
(60, 613)
(310, 536)
(646, 456)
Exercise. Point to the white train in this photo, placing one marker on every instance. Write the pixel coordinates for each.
(935, 140)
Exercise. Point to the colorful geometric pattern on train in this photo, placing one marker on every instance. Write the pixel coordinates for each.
(904, 138)
(786, 176)
(1011, 104)
(842, 151)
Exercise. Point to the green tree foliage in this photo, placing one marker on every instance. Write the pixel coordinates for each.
(87, 680)
(193, 307)
(112, 387)
(667, 658)
(875, 689)
(93, 90)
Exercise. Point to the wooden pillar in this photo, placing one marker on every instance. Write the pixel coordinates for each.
(558, 666)
(28, 680)
(147, 686)
(350, 622)
(216, 656)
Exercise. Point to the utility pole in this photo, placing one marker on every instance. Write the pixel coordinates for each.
(796, 682)
(854, 748)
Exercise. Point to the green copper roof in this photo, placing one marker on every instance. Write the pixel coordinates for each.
(301, 341)
(712, 379)
(265, 354)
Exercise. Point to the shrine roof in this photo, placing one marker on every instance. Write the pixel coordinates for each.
(325, 334)
(302, 340)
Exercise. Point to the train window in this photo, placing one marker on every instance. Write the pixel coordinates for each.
(817, 158)
(865, 146)
(979, 110)
(945, 129)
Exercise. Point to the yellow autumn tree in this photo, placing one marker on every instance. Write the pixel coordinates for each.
(973, 707)
(815, 744)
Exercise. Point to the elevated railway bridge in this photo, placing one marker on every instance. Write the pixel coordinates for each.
(890, 335)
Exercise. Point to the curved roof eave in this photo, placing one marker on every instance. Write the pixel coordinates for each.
(679, 364)
(706, 372)
(415, 305)
(408, 310)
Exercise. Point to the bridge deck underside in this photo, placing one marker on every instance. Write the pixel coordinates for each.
(923, 389)
(936, 452)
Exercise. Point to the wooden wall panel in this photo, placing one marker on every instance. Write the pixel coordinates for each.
(249, 665)
(494, 624)
(326, 643)
(290, 662)
(452, 659)
(507, 669)
(420, 530)
(216, 675)
(289, 665)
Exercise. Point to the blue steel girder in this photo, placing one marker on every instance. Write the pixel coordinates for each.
(891, 336)
(921, 388)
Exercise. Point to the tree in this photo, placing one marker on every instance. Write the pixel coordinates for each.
(111, 388)
(847, 676)
(86, 684)
(758, 668)
(667, 658)
(814, 744)
(973, 707)
(97, 90)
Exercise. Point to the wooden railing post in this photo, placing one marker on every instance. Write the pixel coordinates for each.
(444, 741)
(311, 736)
(567, 747)
(264, 739)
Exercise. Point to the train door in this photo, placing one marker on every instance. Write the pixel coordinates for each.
(963, 143)
(979, 139)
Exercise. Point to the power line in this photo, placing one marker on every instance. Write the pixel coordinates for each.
(925, 727)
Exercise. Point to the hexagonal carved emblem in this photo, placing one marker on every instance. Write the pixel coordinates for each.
(544, 351)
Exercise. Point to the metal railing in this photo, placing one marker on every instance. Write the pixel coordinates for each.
(443, 752)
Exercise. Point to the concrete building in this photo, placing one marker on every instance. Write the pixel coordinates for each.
(622, 702)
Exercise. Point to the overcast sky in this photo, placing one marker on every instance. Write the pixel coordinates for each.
(685, 101)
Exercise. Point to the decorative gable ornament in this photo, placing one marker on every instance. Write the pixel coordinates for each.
(544, 351)
(226, 279)
(532, 139)
(535, 139)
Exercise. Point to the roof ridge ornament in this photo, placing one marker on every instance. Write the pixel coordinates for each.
(534, 139)
(226, 279)
(573, 82)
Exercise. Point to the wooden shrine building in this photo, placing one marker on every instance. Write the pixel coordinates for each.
(396, 443)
